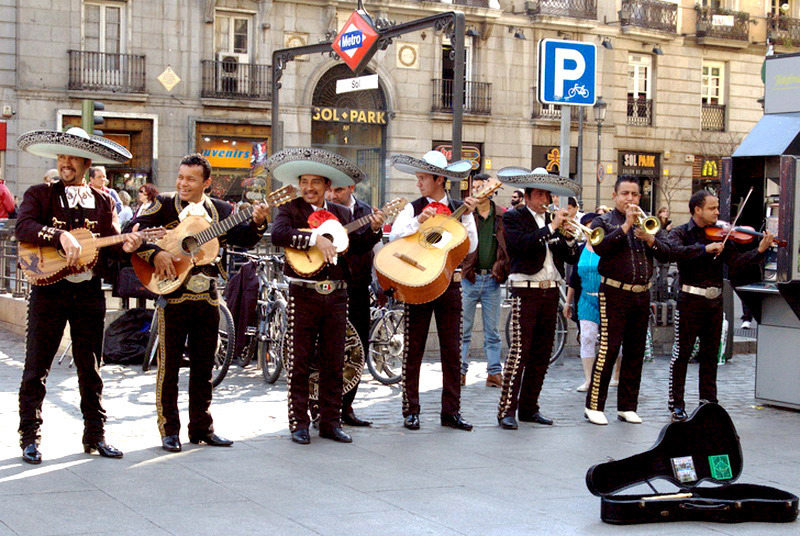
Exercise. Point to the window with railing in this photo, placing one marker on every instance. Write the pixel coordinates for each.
(472, 3)
(105, 71)
(650, 14)
(553, 111)
(784, 29)
(576, 9)
(713, 118)
(722, 23)
(640, 104)
(640, 111)
(712, 88)
(230, 79)
(477, 97)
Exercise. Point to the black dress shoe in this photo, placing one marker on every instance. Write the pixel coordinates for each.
(31, 454)
(103, 449)
(412, 421)
(171, 443)
(536, 417)
(336, 433)
(455, 421)
(301, 436)
(212, 440)
(679, 414)
(508, 423)
(350, 419)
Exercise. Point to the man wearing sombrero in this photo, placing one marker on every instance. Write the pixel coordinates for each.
(432, 172)
(537, 252)
(47, 214)
(317, 303)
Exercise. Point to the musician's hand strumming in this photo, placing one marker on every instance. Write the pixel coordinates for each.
(427, 212)
(327, 248)
(72, 248)
(133, 240)
(164, 263)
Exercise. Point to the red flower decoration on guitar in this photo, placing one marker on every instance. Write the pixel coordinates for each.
(440, 208)
(319, 216)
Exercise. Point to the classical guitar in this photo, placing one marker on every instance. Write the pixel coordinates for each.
(310, 261)
(419, 267)
(194, 242)
(44, 265)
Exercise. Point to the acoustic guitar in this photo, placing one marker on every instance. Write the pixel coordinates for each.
(307, 262)
(194, 242)
(420, 267)
(45, 265)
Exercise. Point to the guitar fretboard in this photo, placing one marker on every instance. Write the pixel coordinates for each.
(224, 226)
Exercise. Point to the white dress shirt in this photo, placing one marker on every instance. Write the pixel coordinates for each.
(549, 272)
(407, 224)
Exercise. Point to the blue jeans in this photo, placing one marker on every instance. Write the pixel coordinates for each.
(486, 291)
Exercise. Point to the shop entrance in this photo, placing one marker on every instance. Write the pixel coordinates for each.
(647, 168)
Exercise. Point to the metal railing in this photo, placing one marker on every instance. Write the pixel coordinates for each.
(784, 30)
(229, 79)
(640, 111)
(736, 24)
(713, 117)
(472, 3)
(553, 111)
(105, 71)
(576, 9)
(650, 14)
(477, 97)
(12, 281)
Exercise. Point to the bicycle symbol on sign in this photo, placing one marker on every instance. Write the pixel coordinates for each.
(577, 89)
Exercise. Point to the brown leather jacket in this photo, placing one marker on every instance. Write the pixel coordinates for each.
(500, 266)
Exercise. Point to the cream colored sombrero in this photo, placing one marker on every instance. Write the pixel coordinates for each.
(519, 177)
(435, 163)
(289, 164)
(73, 142)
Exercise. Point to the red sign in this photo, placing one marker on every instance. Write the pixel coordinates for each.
(355, 43)
(2, 135)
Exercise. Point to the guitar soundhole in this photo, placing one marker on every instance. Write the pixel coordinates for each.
(433, 237)
(189, 245)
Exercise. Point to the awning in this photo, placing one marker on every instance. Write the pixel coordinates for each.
(771, 136)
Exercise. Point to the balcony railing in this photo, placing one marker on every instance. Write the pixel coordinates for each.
(229, 79)
(723, 24)
(784, 31)
(477, 97)
(649, 14)
(576, 9)
(553, 111)
(713, 117)
(472, 3)
(640, 111)
(105, 71)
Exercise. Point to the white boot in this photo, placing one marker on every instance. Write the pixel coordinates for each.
(629, 416)
(595, 417)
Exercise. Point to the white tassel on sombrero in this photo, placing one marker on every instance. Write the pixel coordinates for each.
(289, 164)
(73, 142)
(435, 163)
(519, 177)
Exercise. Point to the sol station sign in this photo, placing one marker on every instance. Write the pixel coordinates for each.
(355, 42)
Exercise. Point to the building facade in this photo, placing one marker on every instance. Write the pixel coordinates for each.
(682, 81)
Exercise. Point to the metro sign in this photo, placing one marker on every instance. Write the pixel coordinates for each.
(355, 43)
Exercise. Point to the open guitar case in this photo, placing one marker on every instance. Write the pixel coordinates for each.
(704, 448)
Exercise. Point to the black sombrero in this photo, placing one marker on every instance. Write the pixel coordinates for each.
(539, 178)
(435, 163)
(74, 142)
(289, 164)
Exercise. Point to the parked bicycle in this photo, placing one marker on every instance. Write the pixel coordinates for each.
(386, 342)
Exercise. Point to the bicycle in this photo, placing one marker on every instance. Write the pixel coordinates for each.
(225, 343)
(386, 341)
(560, 337)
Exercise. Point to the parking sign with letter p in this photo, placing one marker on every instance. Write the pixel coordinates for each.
(567, 72)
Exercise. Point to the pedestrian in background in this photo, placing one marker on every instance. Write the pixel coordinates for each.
(126, 214)
(147, 194)
(8, 208)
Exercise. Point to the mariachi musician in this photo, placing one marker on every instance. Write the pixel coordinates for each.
(318, 302)
(192, 310)
(699, 312)
(432, 172)
(48, 213)
(537, 250)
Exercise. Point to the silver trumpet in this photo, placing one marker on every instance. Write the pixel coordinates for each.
(571, 228)
(649, 224)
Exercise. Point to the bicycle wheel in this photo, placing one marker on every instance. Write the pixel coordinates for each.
(269, 337)
(225, 344)
(560, 338)
(151, 350)
(386, 343)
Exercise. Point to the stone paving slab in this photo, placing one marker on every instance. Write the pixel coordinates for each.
(390, 481)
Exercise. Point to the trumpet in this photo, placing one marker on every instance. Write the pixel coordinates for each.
(649, 224)
(572, 227)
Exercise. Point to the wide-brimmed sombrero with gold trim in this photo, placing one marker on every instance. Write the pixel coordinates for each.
(73, 142)
(520, 177)
(288, 165)
(435, 163)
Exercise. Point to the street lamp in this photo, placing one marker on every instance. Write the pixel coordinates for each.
(599, 109)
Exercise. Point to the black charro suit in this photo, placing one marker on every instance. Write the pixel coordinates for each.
(313, 314)
(527, 244)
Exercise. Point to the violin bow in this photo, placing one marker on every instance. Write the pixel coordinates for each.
(733, 223)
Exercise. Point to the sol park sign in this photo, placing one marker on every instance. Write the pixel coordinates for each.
(355, 43)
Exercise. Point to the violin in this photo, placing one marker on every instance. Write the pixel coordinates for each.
(741, 234)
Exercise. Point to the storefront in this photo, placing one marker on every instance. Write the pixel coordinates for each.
(472, 151)
(705, 174)
(549, 157)
(230, 149)
(647, 168)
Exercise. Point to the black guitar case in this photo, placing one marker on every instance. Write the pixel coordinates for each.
(705, 447)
